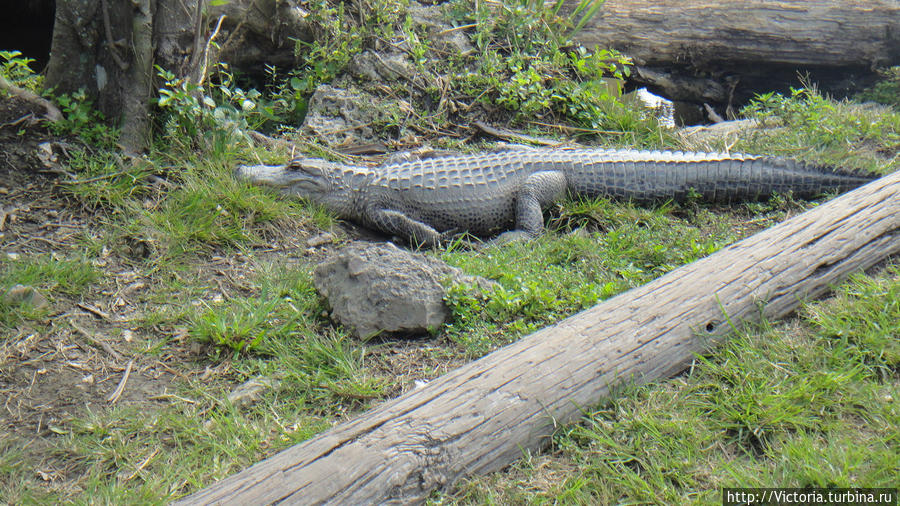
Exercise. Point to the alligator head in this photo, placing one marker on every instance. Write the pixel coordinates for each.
(330, 184)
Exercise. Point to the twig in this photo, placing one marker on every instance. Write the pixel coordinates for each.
(502, 133)
(143, 464)
(113, 397)
(712, 114)
(161, 397)
(273, 142)
(206, 50)
(100, 177)
(95, 311)
(577, 129)
(96, 341)
(455, 28)
(4, 213)
(17, 122)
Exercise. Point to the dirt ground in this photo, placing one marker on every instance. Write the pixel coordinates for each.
(86, 355)
(86, 361)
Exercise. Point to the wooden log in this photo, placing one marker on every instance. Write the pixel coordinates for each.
(834, 33)
(481, 417)
(724, 52)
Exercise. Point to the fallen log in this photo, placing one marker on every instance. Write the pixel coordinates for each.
(718, 50)
(481, 417)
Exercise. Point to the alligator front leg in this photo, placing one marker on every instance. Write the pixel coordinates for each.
(538, 191)
(399, 224)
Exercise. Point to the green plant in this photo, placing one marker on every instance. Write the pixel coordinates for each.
(887, 90)
(529, 66)
(70, 276)
(102, 180)
(194, 115)
(339, 37)
(82, 119)
(17, 69)
(241, 325)
(823, 129)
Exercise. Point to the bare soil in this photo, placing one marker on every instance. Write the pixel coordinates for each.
(88, 354)
(73, 361)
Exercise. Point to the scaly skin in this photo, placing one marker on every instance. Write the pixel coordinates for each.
(424, 200)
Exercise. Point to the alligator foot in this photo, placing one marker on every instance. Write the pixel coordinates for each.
(511, 236)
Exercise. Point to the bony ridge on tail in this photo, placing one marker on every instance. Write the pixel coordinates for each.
(424, 201)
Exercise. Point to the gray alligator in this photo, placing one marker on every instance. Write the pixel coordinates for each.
(425, 201)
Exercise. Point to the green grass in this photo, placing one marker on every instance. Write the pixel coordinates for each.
(807, 403)
(836, 133)
(53, 274)
(616, 247)
(49, 275)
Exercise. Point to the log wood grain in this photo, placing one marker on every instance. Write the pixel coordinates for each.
(834, 33)
(482, 416)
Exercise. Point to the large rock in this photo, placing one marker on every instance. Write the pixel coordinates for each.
(342, 117)
(377, 67)
(380, 288)
(439, 31)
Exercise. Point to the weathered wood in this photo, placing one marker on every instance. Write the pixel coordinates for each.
(719, 51)
(480, 417)
(843, 33)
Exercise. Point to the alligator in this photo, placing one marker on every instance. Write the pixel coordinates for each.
(426, 201)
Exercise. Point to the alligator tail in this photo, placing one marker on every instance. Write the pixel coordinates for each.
(724, 179)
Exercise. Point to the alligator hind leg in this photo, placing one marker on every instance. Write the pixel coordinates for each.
(397, 223)
(537, 192)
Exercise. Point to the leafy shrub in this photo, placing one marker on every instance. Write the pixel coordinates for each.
(529, 66)
(17, 69)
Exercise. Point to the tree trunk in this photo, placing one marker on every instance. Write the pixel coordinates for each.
(103, 47)
(138, 88)
(482, 416)
(108, 48)
(721, 50)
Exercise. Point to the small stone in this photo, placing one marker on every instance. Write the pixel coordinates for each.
(251, 390)
(320, 239)
(21, 294)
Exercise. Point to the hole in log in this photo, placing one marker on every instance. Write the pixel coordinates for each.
(712, 326)
(28, 27)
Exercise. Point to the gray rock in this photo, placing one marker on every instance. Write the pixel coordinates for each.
(342, 117)
(252, 390)
(379, 67)
(440, 32)
(380, 288)
(21, 294)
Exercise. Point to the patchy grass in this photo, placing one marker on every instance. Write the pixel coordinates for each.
(812, 402)
(836, 133)
(51, 274)
(607, 249)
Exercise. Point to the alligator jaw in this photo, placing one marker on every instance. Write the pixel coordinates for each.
(275, 176)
